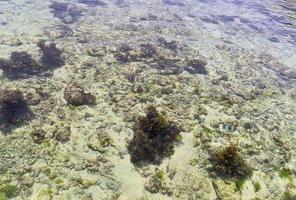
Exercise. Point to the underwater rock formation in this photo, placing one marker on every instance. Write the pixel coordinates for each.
(76, 96)
(147, 50)
(158, 183)
(228, 163)
(51, 54)
(13, 109)
(66, 12)
(171, 45)
(23, 59)
(196, 66)
(63, 134)
(163, 55)
(166, 66)
(154, 138)
(20, 65)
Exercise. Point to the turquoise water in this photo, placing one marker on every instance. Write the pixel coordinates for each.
(155, 99)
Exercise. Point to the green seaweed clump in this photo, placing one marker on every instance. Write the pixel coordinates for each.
(154, 138)
(7, 191)
(257, 186)
(285, 173)
(228, 163)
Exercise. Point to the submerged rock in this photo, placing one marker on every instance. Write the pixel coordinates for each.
(148, 50)
(63, 134)
(20, 65)
(38, 135)
(23, 59)
(167, 66)
(52, 56)
(76, 96)
(196, 66)
(66, 12)
(171, 45)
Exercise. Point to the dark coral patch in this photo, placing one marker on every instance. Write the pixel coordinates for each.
(148, 50)
(20, 65)
(66, 12)
(196, 66)
(76, 96)
(14, 110)
(52, 56)
(227, 162)
(171, 45)
(166, 66)
(154, 138)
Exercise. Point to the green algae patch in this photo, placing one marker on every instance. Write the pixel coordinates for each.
(193, 162)
(285, 173)
(239, 183)
(210, 132)
(7, 191)
(288, 196)
(45, 194)
(257, 187)
(160, 174)
(3, 196)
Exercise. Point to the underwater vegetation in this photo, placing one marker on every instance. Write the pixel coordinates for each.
(154, 138)
(22, 65)
(7, 191)
(76, 96)
(14, 110)
(68, 13)
(228, 163)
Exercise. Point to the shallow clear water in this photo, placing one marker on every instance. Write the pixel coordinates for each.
(78, 79)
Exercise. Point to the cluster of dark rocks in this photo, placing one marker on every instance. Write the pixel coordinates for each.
(21, 64)
(166, 56)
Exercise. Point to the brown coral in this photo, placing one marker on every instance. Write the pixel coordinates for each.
(227, 162)
(76, 96)
(13, 109)
(154, 138)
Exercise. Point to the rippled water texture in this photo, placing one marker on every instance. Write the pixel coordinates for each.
(147, 100)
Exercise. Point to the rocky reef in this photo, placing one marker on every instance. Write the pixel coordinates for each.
(73, 123)
(76, 96)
